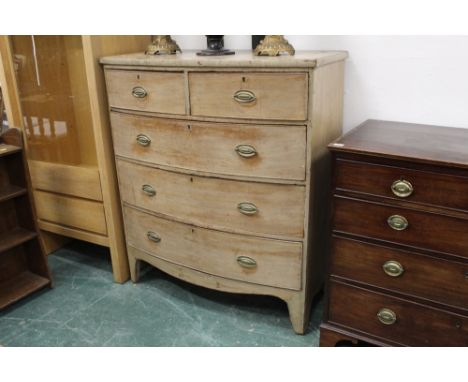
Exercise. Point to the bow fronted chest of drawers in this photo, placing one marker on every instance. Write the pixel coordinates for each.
(222, 166)
(399, 265)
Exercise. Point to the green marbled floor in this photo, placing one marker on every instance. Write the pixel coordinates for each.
(86, 308)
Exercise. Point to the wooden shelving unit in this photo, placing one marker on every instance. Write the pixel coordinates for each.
(23, 266)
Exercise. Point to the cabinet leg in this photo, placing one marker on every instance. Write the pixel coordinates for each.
(134, 264)
(298, 313)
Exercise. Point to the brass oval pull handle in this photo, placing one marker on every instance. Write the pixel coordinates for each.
(402, 188)
(246, 151)
(393, 268)
(246, 262)
(148, 190)
(153, 236)
(139, 92)
(143, 140)
(387, 316)
(247, 208)
(244, 96)
(397, 222)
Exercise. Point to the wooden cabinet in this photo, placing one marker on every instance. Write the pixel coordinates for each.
(54, 89)
(222, 167)
(399, 265)
(23, 266)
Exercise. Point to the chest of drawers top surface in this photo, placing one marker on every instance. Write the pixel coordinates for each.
(437, 145)
(242, 59)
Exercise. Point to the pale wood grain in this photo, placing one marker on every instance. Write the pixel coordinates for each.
(278, 262)
(278, 95)
(211, 147)
(213, 203)
(8, 84)
(68, 233)
(165, 90)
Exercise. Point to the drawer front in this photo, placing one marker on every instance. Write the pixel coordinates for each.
(280, 96)
(262, 261)
(424, 230)
(159, 92)
(402, 271)
(414, 324)
(408, 184)
(277, 152)
(71, 212)
(215, 203)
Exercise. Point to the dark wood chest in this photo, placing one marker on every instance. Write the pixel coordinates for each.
(398, 271)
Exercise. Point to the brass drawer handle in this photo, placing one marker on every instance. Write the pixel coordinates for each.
(153, 236)
(244, 96)
(143, 140)
(139, 92)
(402, 188)
(148, 190)
(387, 316)
(246, 151)
(397, 222)
(246, 262)
(393, 268)
(247, 208)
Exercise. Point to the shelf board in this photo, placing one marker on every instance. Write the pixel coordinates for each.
(10, 192)
(15, 237)
(20, 286)
(8, 149)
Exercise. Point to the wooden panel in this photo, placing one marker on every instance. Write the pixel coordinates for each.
(425, 230)
(363, 262)
(215, 252)
(72, 212)
(65, 232)
(210, 147)
(416, 325)
(214, 203)
(280, 96)
(70, 180)
(428, 187)
(164, 92)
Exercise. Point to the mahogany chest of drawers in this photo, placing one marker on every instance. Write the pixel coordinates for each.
(222, 163)
(399, 264)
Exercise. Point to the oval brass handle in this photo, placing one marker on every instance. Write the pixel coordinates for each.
(148, 190)
(397, 222)
(402, 188)
(139, 92)
(153, 236)
(246, 151)
(393, 268)
(247, 208)
(246, 262)
(143, 140)
(244, 96)
(387, 316)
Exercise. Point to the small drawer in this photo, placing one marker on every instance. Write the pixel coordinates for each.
(158, 92)
(401, 226)
(278, 96)
(255, 208)
(402, 183)
(401, 271)
(395, 319)
(269, 262)
(233, 149)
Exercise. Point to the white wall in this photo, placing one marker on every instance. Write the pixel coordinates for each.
(422, 79)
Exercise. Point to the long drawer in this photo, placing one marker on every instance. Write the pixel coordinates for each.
(277, 152)
(401, 226)
(401, 271)
(402, 183)
(256, 208)
(269, 262)
(160, 92)
(280, 96)
(395, 319)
